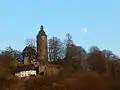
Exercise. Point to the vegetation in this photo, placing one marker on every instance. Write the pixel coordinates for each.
(93, 70)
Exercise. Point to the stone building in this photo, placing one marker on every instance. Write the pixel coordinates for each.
(29, 55)
(42, 48)
(25, 71)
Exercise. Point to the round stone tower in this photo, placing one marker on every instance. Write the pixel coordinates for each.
(42, 48)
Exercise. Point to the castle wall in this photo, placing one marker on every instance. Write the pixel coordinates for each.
(52, 69)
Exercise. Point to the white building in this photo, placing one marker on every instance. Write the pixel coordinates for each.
(25, 71)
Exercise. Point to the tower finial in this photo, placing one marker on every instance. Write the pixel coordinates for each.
(41, 28)
(42, 32)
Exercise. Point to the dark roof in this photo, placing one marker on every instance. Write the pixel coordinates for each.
(42, 32)
(24, 68)
(29, 51)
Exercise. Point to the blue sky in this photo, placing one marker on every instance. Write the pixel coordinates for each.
(21, 19)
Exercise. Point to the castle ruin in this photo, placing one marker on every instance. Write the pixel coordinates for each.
(37, 58)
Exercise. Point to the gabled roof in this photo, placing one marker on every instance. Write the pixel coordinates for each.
(24, 68)
(29, 51)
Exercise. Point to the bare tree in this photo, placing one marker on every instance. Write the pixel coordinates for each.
(97, 61)
(55, 47)
(75, 55)
(30, 42)
(68, 44)
(68, 40)
(93, 48)
(14, 53)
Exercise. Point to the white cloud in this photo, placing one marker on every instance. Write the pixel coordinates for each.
(84, 30)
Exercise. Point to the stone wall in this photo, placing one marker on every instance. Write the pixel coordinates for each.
(26, 61)
(52, 69)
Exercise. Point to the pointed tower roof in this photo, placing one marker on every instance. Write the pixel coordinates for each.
(42, 32)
